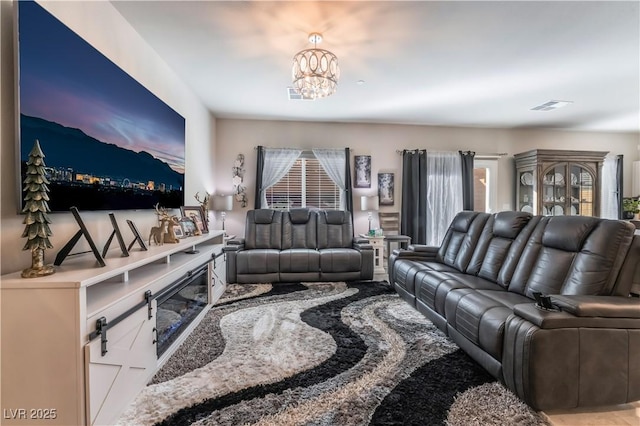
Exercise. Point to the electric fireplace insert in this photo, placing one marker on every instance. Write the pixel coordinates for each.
(179, 304)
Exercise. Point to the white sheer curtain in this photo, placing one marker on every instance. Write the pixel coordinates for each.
(608, 196)
(333, 162)
(277, 162)
(444, 193)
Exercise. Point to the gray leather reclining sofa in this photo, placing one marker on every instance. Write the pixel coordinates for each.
(298, 245)
(478, 288)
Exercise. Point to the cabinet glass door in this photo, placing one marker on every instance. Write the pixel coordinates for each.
(582, 191)
(554, 190)
(525, 193)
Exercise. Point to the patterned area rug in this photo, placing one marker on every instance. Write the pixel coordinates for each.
(322, 354)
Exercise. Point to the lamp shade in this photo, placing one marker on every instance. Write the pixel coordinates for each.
(222, 203)
(369, 203)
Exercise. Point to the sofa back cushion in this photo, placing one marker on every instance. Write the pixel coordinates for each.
(263, 229)
(334, 229)
(500, 245)
(572, 255)
(299, 229)
(461, 238)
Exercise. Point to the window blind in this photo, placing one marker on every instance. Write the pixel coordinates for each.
(305, 185)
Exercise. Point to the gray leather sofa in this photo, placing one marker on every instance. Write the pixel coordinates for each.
(478, 288)
(298, 245)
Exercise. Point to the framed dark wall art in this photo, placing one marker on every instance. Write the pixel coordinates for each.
(196, 214)
(385, 189)
(362, 165)
(110, 143)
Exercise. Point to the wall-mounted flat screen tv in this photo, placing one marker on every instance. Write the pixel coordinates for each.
(109, 143)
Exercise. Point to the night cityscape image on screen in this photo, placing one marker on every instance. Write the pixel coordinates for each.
(109, 143)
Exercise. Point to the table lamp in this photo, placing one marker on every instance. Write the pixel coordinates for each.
(369, 204)
(223, 204)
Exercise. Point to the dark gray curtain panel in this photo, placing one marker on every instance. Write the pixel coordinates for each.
(466, 158)
(259, 168)
(619, 188)
(413, 212)
(348, 193)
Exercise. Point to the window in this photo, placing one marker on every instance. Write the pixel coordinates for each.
(306, 184)
(485, 185)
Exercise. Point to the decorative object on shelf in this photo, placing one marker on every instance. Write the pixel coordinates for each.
(363, 171)
(315, 71)
(36, 221)
(157, 233)
(385, 188)
(223, 204)
(238, 176)
(137, 237)
(189, 227)
(197, 215)
(630, 207)
(66, 250)
(204, 205)
(115, 233)
(163, 233)
(369, 204)
(527, 179)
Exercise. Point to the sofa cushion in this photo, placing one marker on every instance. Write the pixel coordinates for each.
(257, 261)
(334, 229)
(501, 243)
(431, 287)
(461, 238)
(480, 316)
(263, 229)
(568, 233)
(572, 256)
(299, 229)
(340, 260)
(299, 260)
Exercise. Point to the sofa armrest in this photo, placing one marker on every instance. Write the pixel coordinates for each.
(231, 250)
(556, 360)
(362, 245)
(238, 241)
(598, 306)
(625, 314)
(417, 252)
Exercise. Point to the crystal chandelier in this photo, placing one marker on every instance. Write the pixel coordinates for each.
(315, 71)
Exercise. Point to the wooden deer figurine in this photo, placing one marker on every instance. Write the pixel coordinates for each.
(170, 235)
(157, 232)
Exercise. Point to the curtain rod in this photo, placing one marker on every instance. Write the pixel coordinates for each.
(497, 154)
(288, 147)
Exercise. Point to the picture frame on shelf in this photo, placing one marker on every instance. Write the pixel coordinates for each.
(197, 215)
(188, 226)
(137, 237)
(177, 230)
(363, 171)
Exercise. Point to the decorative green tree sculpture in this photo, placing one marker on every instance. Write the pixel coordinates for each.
(36, 222)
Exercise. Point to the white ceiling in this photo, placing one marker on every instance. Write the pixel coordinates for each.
(448, 63)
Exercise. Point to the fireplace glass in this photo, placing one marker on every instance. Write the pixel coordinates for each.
(178, 305)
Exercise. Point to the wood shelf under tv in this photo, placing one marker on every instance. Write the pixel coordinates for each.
(48, 358)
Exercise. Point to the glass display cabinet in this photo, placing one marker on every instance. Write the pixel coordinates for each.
(558, 182)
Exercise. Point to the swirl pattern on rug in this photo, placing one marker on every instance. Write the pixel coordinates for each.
(321, 354)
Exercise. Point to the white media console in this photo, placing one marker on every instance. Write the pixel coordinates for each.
(57, 367)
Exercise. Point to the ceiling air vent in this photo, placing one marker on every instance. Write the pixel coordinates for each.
(295, 96)
(551, 105)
